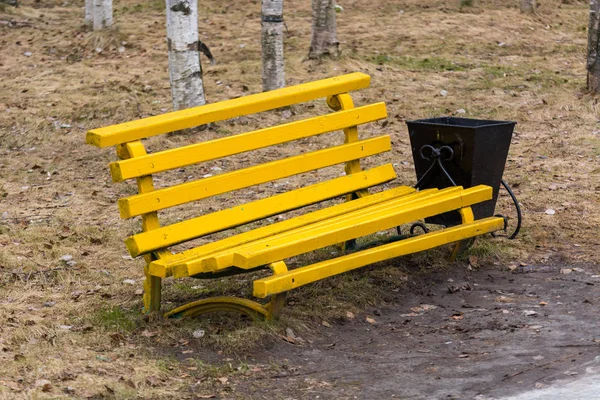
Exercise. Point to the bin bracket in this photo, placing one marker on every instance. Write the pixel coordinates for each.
(437, 156)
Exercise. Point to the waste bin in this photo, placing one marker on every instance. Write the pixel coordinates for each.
(472, 151)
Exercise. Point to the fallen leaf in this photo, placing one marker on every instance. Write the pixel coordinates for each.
(45, 384)
(325, 323)
(543, 303)
(566, 271)
(223, 380)
(370, 320)
(153, 381)
(198, 333)
(423, 308)
(457, 316)
(504, 299)
(147, 333)
(473, 261)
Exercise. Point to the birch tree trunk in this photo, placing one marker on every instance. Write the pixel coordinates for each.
(89, 12)
(185, 70)
(273, 74)
(528, 6)
(102, 14)
(324, 37)
(10, 2)
(593, 58)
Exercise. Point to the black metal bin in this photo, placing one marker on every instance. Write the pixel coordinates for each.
(478, 156)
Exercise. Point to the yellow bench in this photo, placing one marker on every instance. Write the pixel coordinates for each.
(268, 246)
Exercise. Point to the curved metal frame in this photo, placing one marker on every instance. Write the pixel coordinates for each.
(247, 307)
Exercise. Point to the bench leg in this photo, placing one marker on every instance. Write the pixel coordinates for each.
(152, 291)
(277, 301)
(466, 214)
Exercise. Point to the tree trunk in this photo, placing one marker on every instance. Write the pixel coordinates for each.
(324, 38)
(89, 12)
(185, 70)
(102, 14)
(528, 6)
(273, 75)
(10, 2)
(593, 60)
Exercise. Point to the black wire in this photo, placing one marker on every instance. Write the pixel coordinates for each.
(519, 214)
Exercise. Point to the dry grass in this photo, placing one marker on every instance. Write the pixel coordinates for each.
(78, 326)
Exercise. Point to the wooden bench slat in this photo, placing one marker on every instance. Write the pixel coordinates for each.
(312, 273)
(162, 267)
(225, 259)
(251, 104)
(262, 173)
(214, 149)
(330, 232)
(215, 222)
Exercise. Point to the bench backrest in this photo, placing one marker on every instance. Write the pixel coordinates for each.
(137, 164)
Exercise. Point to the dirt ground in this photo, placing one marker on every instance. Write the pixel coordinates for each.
(451, 335)
(70, 325)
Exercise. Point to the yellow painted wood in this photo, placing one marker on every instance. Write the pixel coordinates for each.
(467, 216)
(152, 284)
(312, 273)
(215, 222)
(330, 232)
(225, 257)
(195, 116)
(207, 187)
(192, 258)
(344, 102)
(214, 149)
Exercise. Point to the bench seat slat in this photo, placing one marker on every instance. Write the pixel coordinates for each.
(328, 233)
(163, 267)
(312, 273)
(215, 222)
(230, 257)
(262, 173)
(195, 116)
(214, 149)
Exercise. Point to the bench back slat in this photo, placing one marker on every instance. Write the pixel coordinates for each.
(223, 147)
(203, 188)
(195, 116)
(229, 218)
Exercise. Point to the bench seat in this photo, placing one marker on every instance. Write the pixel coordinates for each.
(326, 227)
